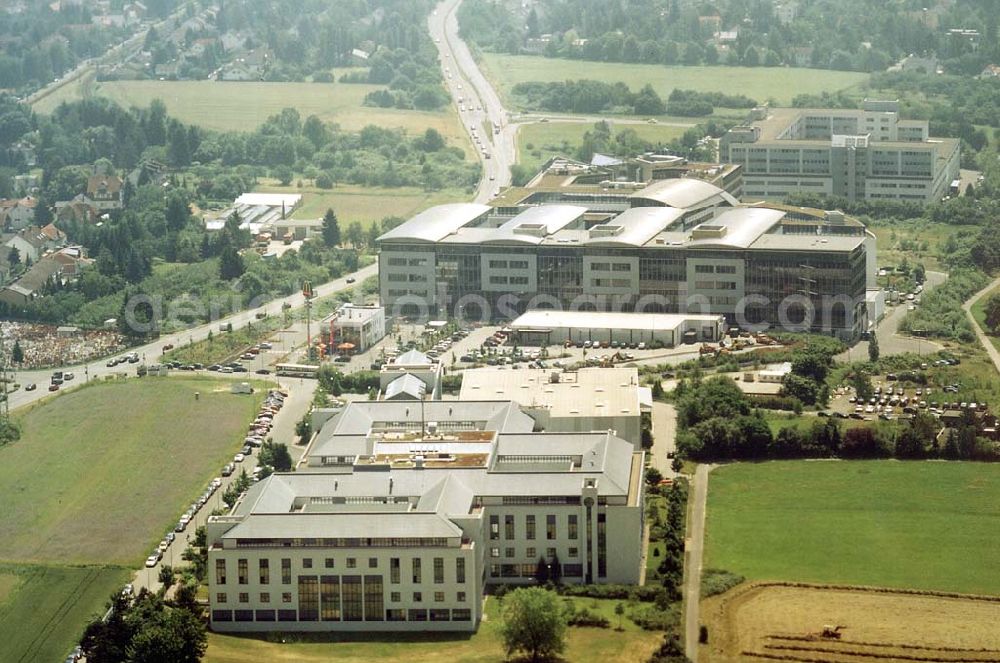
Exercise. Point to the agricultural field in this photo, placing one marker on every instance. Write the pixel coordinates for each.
(915, 525)
(242, 106)
(584, 645)
(538, 142)
(362, 204)
(120, 466)
(762, 83)
(786, 623)
(43, 608)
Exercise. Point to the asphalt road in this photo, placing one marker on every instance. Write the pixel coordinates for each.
(151, 352)
(664, 437)
(480, 106)
(695, 553)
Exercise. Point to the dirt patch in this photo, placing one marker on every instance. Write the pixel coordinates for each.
(762, 621)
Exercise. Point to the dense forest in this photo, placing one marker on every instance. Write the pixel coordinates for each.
(830, 34)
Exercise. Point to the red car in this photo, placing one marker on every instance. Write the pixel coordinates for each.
(53, 387)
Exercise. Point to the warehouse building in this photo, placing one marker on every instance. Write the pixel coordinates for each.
(411, 512)
(867, 154)
(541, 327)
(680, 246)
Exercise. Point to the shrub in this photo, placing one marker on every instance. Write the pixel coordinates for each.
(717, 581)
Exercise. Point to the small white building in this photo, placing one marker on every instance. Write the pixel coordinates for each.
(396, 377)
(359, 326)
(541, 327)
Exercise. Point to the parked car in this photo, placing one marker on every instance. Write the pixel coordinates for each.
(31, 386)
(53, 387)
(151, 561)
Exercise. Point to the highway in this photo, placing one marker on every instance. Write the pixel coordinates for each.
(150, 353)
(479, 105)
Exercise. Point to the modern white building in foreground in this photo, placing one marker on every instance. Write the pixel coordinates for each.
(545, 326)
(410, 510)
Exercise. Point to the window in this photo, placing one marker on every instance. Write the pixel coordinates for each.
(494, 528)
(418, 597)
(508, 527)
(508, 552)
(530, 552)
(264, 571)
(307, 562)
(374, 609)
(704, 269)
(221, 597)
(241, 572)
(621, 267)
(439, 597)
(416, 571)
(395, 597)
(415, 615)
(352, 563)
(265, 615)
(220, 572)
(328, 562)
(286, 571)
(460, 569)
(373, 562)
(494, 570)
(438, 570)
(550, 553)
(461, 615)
(573, 527)
(441, 615)
(460, 597)
(286, 597)
(265, 597)
(602, 545)
(222, 615)
(352, 598)
(529, 527)
(244, 597)
(494, 552)
(287, 615)
(550, 527)
(329, 594)
(308, 598)
(243, 615)
(394, 570)
(574, 552)
(395, 615)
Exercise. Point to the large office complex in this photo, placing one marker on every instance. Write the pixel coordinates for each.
(407, 510)
(866, 154)
(676, 246)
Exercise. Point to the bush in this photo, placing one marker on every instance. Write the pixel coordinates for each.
(621, 592)
(651, 618)
(716, 581)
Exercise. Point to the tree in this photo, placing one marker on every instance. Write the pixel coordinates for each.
(355, 234)
(331, 229)
(873, 348)
(862, 385)
(166, 576)
(275, 454)
(17, 354)
(993, 312)
(230, 264)
(533, 622)
(653, 477)
(14, 257)
(178, 210)
(620, 610)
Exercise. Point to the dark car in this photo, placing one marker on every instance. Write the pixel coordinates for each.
(350, 279)
(343, 359)
(239, 369)
(30, 387)
(53, 387)
(214, 367)
(262, 371)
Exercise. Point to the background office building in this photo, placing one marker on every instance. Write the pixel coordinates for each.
(677, 246)
(407, 512)
(867, 154)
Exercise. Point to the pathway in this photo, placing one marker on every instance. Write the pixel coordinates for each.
(991, 349)
(695, 549)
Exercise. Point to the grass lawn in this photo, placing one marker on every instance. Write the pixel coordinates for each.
(762, 83)
(583, 644)
(924, 525)
(242, 106)
(43, 608)
(563, 138)
(979, 313)
(101, 472)
(363, 204)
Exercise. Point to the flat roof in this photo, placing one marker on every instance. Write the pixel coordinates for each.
(436, 223)
(254, 199)
(811, 243)
(552, 319)
(588, 392)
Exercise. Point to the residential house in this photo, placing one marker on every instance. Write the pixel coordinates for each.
(104, 192)
(991, 71)
(31, 284)
(34, 242)
(77, 211)
(17, 214)
(72, 259)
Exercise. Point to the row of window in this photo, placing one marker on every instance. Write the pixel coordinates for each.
(511, 280)
(611, 267)
(286, 597)
(407, 262)
(508, 264)
(391, 615)
(532, 553)
(551, 529)
(264, 569)
(716, 269)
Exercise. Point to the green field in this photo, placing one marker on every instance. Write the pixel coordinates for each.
(584, 645)
(762, 83)
(550, 139)
(45, 608)
(363, 204)
(923, 525)
(979, 313)
(101, 472)
(242, 106)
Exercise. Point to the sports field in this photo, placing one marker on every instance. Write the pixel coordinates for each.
(921, 525)
(584, 645)
(43, 609)
(537, 142)
(760, 83)
(242, 106)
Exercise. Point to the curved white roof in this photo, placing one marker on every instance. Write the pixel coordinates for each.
(536, 223)
(436, 223)
(737, 228)
(684, 193)
(634, 226)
